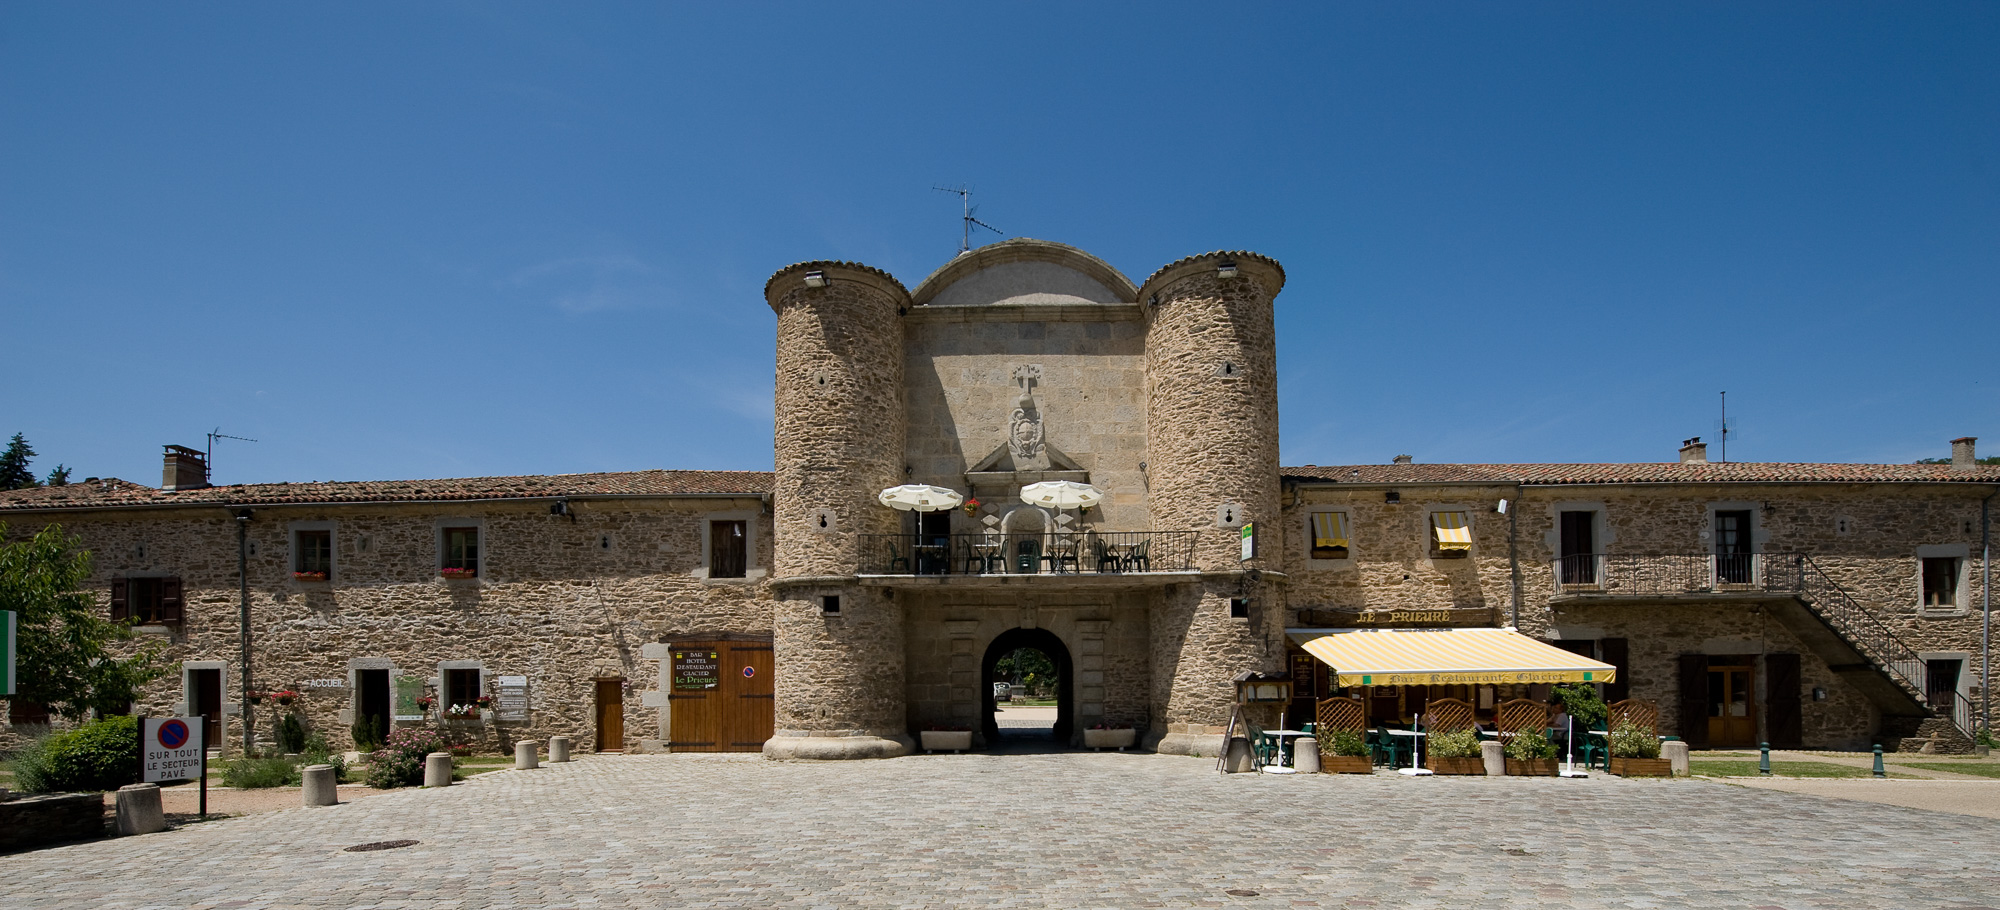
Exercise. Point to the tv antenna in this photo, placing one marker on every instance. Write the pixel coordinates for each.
(969, 213)
(1722, 452)
(214, 435)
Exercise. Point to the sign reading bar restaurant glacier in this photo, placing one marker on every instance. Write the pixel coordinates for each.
(170, 748)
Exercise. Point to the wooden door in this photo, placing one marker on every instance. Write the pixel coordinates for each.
(695, 697)
(610, 715)
(205, 699)
(748, 697)
(1732, 706)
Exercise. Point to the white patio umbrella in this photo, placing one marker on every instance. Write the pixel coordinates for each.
(1062, 494)
(920, 497)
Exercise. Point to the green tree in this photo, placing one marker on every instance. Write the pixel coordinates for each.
(14, 473)
(64, 655)
(1028, 667)
(58, 477)
(1990, 459)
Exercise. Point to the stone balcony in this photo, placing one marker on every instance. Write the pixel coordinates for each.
(1079, 559)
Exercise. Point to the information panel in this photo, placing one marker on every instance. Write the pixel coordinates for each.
(170, 748)
(696, 670)
(511, 706)
(408, 690)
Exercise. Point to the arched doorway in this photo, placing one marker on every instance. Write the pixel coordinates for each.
(989, 673)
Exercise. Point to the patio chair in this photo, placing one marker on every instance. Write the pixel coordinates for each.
(896, 558)
(1102, 555)
(1062, 552)
(1027, 556)
(977, 561)
(1140, 558)
(1595, 750)
(1393, 750)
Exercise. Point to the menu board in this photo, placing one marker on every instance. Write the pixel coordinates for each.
(511, 705)
(408, 690)
(697, 670)
(1302, 678)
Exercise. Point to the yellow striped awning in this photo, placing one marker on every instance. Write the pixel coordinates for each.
(1423, 657)
(1329, 529)
(1453, 530)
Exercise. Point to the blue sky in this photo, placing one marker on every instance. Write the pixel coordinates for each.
(452, 239)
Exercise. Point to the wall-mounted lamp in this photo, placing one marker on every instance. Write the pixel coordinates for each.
(1226, 270)
(815, 279)
(1392, 496)
(559, 507)
(1819, 693)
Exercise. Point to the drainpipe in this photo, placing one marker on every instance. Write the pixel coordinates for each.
(1986, 611)
(243, 631)
(1514, 559)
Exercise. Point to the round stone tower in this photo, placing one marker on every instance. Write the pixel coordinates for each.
(1212, 465)
(841, 427)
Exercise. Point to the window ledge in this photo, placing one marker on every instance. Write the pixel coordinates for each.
(1935, 613)
(749, 580)
(1343, 563)
(155, 631)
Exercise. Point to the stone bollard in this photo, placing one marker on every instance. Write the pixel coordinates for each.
(558, 748)
(437, 769)
(139, 809)
(320, 788)
(1305, 755)
(1676, 754)
(525, 755)
(1241, 756)
(1494, 757)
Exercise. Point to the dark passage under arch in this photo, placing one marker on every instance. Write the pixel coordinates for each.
(1041, 640)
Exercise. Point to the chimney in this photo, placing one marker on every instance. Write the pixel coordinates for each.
(186, 469)
(1403, 459)
(1962, 458)
(1694, 451)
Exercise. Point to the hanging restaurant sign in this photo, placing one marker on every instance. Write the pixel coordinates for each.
(696, 670)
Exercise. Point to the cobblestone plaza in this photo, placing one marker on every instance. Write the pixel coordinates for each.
(1049, 830)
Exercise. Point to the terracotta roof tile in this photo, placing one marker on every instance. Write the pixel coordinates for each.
(113, 493)
(1645, 472)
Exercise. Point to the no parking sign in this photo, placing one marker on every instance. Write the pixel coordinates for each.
(170, 748)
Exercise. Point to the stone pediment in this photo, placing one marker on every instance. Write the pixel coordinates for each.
(1002, 469)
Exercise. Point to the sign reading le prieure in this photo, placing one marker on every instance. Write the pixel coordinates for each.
(170, 748)
(697, 670)
(512, 704)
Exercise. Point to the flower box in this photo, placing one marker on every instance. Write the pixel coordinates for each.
(308, 576)
(946, 740)
(1642, 767)
(459, 574)
(1531, 767)
(1120, 738)
(1443, 765)
(1345, 764)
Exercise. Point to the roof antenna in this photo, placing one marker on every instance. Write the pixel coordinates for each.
(967, 213)
(214, 435)
(1722, 451)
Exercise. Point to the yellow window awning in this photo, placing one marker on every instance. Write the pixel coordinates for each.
(1423, 657)
(1329, 529)
(1453, 530)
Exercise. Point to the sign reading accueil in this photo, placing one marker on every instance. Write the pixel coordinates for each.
(170, 748)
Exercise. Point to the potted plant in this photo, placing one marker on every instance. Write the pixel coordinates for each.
(1456, 752)
(939, 739)
(1636, 753)
(1105, 736)
(1530, 754)
(1343, 752)
(308, 576)
(424, 702)
(284, 696)
(255, 697)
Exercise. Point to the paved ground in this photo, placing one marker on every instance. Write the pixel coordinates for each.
(1037, 830)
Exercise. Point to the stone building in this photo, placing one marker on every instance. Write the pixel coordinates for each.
(793, 612)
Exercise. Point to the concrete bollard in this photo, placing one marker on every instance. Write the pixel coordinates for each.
(1494, 757)
(1241, 756)
(558, 748)
(1305, 755)
(1676, 754)
(320, 789)
(525, 755)
(437, 769)
(139, 809)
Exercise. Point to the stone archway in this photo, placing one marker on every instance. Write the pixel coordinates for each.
(1048, 643)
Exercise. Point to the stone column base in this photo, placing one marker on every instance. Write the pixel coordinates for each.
(836, 748)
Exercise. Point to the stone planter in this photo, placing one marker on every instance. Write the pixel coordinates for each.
(1531, 767)
(1345, 764)
(1641, 767)
(1120, 739)
(946, 740)
(1468, 765)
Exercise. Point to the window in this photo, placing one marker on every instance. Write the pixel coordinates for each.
(461, 687)
(1733, 559)
(1328, 533)
(461, 551)
(1940, 582)
(1451, 535)
(1579, 547)
(146, 601)
(727, 549)
(312, 555)
(829, 603)
(1239, 608)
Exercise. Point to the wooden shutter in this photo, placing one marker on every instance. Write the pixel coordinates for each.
(1616, 652)
(726, 551)
(121, 608)
(1694, 700)
(1783, 726)
(170, 599)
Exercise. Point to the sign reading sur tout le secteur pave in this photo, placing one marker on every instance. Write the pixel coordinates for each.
(170, 748)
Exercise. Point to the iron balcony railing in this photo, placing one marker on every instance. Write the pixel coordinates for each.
(1795, 574)
(1094, 552)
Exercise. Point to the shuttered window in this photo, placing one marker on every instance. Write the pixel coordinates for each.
(147, 601)
(1941, 582)
(728, 555)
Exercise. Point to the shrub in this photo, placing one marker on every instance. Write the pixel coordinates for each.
(317, 752)
(291, 733)
(100, 755)
(253, 773)
(369, 733)
(1628, 741)
(1528, 745)
(1459, 744)
(1342, 742)
(400, 763)
(1582, 702)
